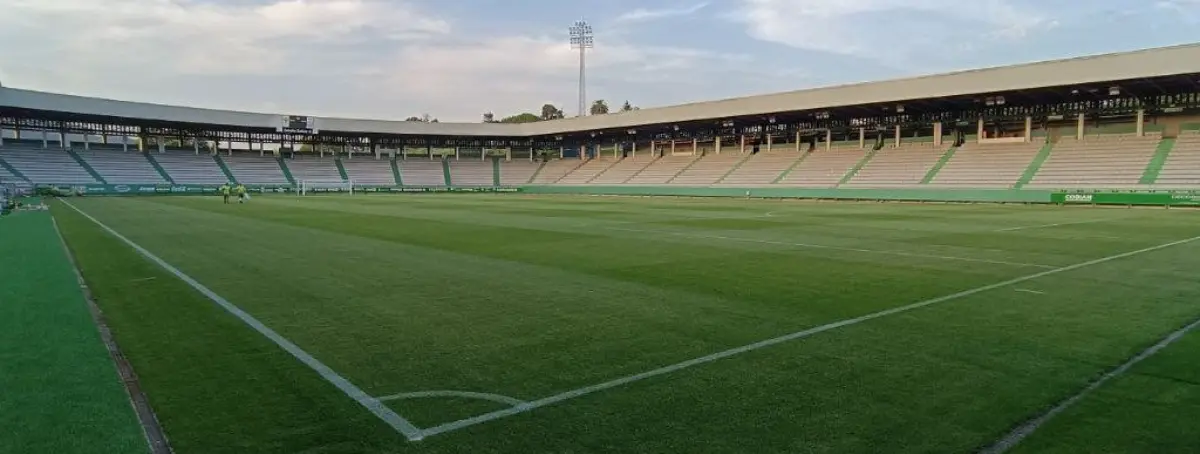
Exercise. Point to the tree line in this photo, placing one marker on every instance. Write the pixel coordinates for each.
(552, 112)
(548, 112)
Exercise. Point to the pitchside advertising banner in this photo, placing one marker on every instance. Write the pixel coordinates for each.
(151, 189)
(1128, 198)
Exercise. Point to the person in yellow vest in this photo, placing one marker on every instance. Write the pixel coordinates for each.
(224, 190)
(241, 194)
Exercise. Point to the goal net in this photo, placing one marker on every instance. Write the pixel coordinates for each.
(308, 187)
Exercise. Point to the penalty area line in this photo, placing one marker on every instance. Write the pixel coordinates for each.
(1023, 431)
(580, 392)
(375, 406)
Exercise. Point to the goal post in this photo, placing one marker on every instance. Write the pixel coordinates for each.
(308, 187)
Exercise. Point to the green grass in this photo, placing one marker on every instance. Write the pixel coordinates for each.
(532, 296)
(59, 391)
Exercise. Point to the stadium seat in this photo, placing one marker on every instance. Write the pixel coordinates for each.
(304, 167)
(366, 170)
(473, 172)
(555, 170)
(517, 172)
(977, 165)
(761, 168)
(122, 167)
(250, 168)
(422, 172)
(189, 168)
(662, 170)
(589, 170)
(824, 168)
(901, 166)
(708, 170)
(45, 166)
(1111, 161)
(624, 170)
(1182, 169)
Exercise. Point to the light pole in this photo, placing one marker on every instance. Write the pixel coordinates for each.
(581, 38)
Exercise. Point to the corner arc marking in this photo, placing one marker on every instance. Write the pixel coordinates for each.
(498, 398)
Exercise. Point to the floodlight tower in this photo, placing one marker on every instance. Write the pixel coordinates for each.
(581, 38)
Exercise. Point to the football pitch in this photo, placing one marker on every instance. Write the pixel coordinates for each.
(560, 324)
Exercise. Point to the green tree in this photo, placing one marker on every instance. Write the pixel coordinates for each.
(628, 107)
(599, 107)
(489, 117)
(525, 117)
(550, 112)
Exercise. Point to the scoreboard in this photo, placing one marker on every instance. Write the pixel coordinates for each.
(298, 123)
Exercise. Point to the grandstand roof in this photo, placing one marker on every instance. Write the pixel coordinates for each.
(1183, 60)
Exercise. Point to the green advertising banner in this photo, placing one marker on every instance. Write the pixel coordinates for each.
(151, 189)
(1128, 198)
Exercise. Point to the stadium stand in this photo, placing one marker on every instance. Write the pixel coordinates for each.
(1182, 169)
(555, 170)
(250, 168)
(1114, 161)
(624, 170)
(761, 168)
(312, 168)
(663, 170)
(421, 172)
(708, 170)
(45, 166)
(517, 172)
(471, 173)
(978, 165)
(122, 167)
(189, 168)
(589, 170)
(369, 171)
(900, 166)
(824, 168)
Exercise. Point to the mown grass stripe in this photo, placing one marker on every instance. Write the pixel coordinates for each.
(372, 404)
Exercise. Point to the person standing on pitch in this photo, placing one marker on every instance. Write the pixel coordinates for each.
(225, 192)
(241, 193)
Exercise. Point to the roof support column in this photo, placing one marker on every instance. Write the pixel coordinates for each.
(429, 149)
(743, 144)
(87, 138)
(937, 133)
(195, 147)
(717, 144)
(633, 151)
(897, 145)
(770, 142)
(797, 140)
(1141, 122)
(695, 146)
(124, 143)
(45, 141)
(828, 139)
(1079, 127)
(672, 147)
(862, 137)
(979, 130)
(455, 153)
(1028, 128)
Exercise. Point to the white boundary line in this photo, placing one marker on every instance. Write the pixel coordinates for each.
(1027, 227)
(1020, 433)
(498, 398)
(372, 404)
(580, 392)
(834, 248)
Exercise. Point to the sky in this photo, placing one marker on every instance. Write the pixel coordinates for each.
(457, 59)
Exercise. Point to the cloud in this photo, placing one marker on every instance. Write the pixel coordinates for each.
(354, 58)
(643, 14)
(895, 32)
